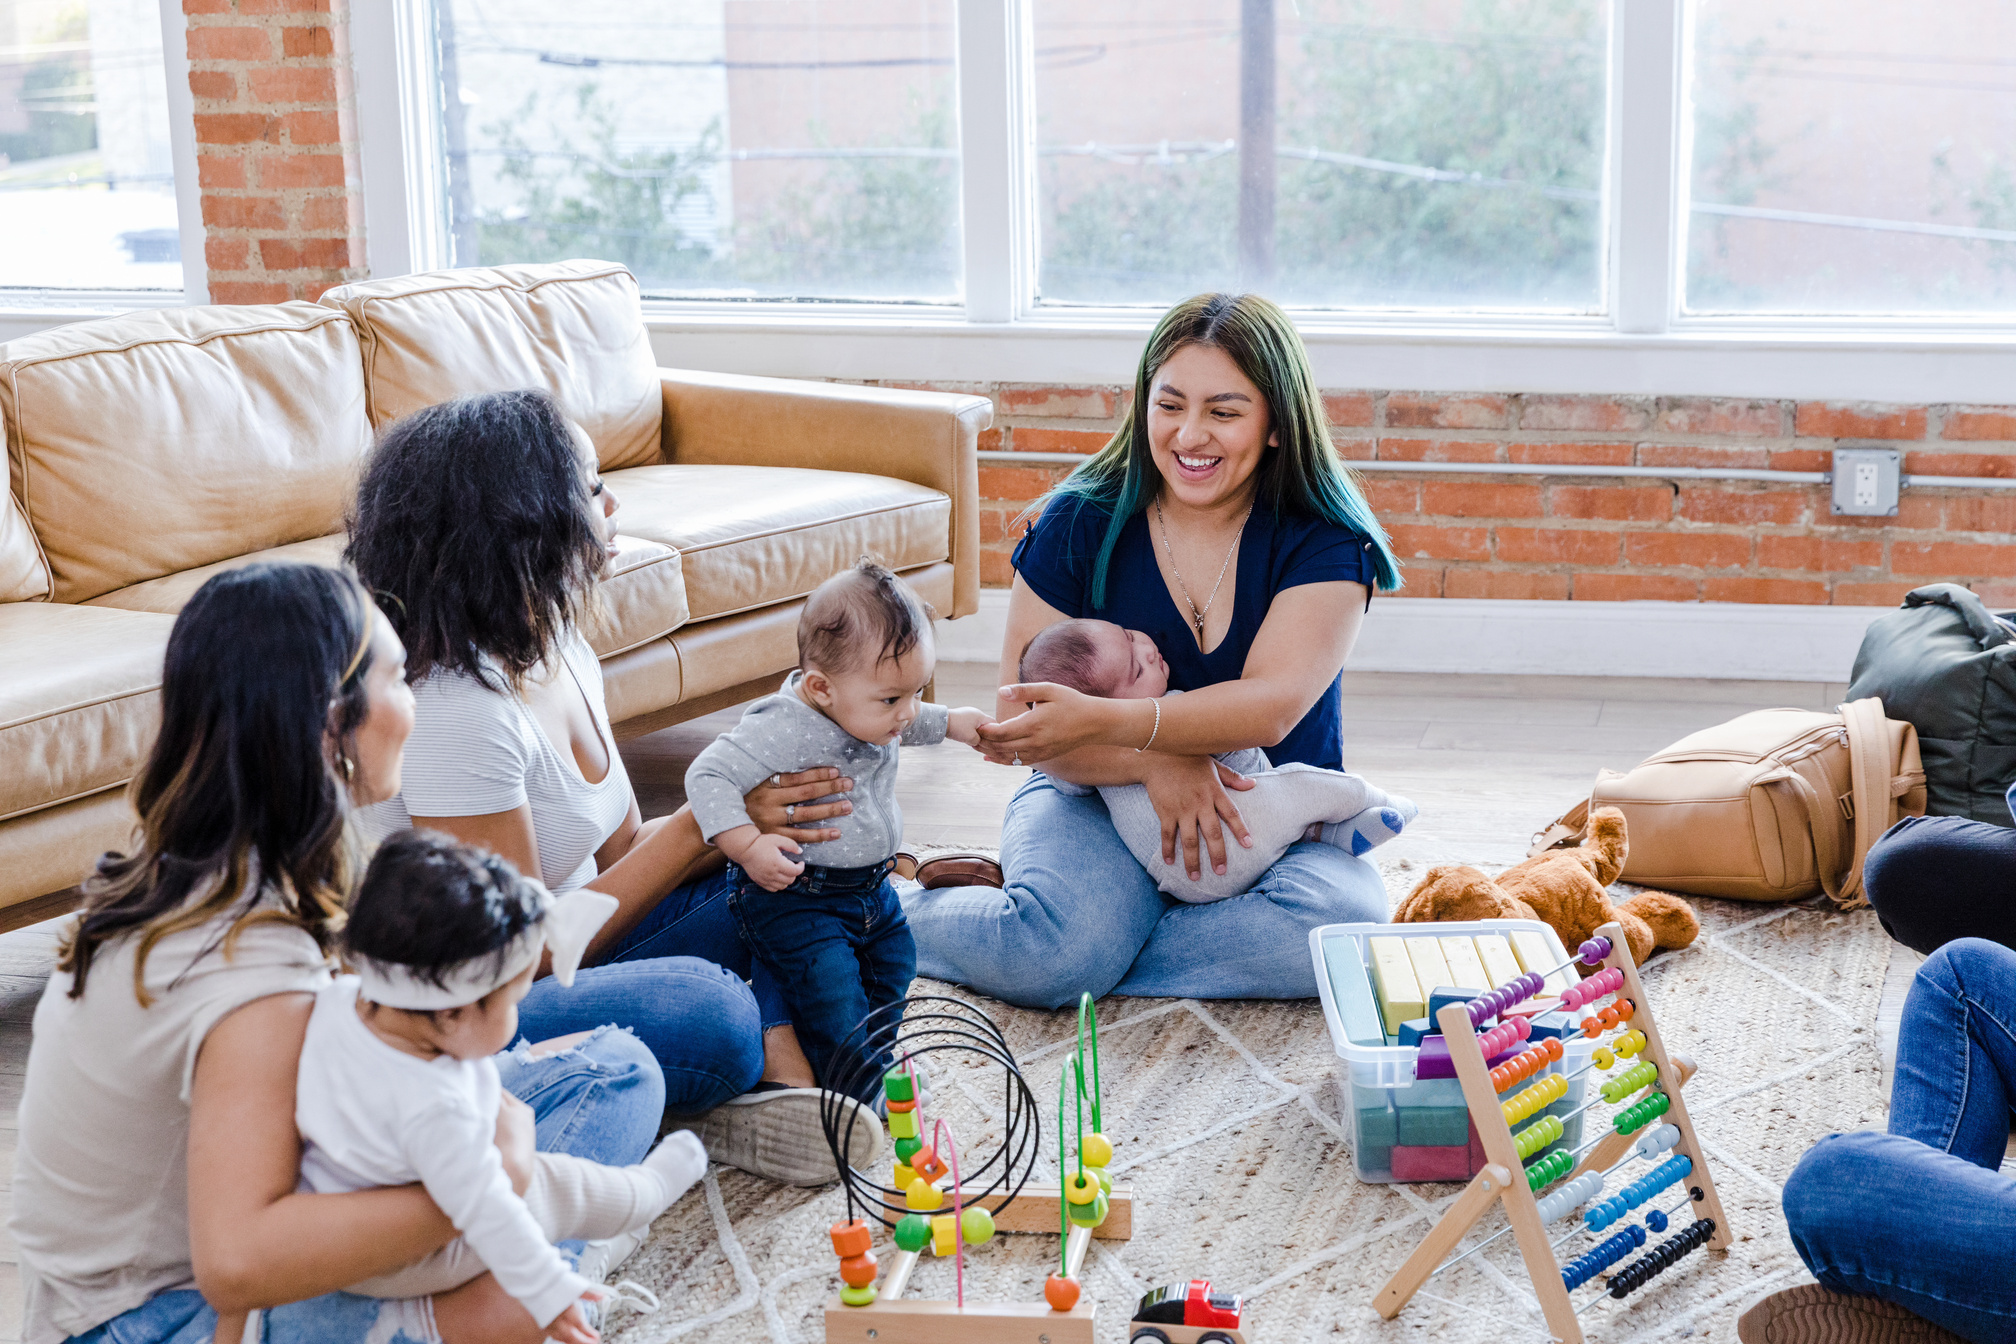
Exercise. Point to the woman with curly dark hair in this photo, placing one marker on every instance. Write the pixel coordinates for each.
(155, 1182)
(482, 526)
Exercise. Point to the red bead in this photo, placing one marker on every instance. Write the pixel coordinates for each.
(858, 1271)
(927, 1164)
(1061, 1293)
(851, 1239)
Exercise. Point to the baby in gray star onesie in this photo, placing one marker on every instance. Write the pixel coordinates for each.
(1285, 803)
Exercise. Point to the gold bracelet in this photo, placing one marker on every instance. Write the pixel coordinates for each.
(1157, 729)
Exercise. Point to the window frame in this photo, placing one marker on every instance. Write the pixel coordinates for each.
(35, 309)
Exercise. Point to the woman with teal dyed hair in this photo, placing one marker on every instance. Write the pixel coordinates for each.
(1220, 522)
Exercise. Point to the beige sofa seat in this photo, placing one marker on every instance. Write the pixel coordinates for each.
(641, 597)
(80, 702)
(752, 536)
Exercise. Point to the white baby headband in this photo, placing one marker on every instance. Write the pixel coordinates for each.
(570, 921)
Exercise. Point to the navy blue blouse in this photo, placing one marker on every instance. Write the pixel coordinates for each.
(1275, 552)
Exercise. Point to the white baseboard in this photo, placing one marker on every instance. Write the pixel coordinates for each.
(1734, 640)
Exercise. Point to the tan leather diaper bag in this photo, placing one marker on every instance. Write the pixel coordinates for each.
(1771, 806)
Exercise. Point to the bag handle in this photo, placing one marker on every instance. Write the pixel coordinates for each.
(1565, 831)
(1869, 771)
(1821, 820)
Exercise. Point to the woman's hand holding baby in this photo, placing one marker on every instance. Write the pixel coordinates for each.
(766, 858)
(785, 804)
(1190, 798)
(571, 1326)
(1058, 721)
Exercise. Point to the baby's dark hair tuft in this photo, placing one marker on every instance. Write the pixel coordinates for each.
(430, 904)
(1065, 653)
(866, 607)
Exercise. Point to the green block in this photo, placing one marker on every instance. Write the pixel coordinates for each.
(1434, 1126)
(1351, 991)
(1379, 1128)
(898, 1086)
(1375, 1161)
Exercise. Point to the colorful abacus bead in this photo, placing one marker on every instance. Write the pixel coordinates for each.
(913, 1232)
(1630, 1043)
(1549, 1169)
(1586, 1267)
(1655, 1221)
(1603, 1059)
(1571, 1196)
(1640, 1113)
(1624, 1084)
(1095, 1150)
(1656, 1141)
(1530, 1140)
(927, 1164)
(1592, 952)
(1641, 1271)
(1061, 1293)
(1535, 1099)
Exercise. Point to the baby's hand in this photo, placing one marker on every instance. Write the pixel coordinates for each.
(571, 1326)
(965, 724)
(768, 862)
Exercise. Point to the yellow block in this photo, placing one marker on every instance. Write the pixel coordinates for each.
(1400, 996)
(1496, 954)
(902, 1124)
(1466, 971)
(1534, 955)
(1430, 971)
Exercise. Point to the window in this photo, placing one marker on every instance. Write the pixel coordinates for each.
(1334, 153)
(1852, 158)
(87, 190)
(726, 149)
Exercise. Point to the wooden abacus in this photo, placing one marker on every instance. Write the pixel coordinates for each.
(1509, 1179)
(863, 1313)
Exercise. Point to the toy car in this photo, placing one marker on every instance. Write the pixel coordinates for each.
(1186, 1313)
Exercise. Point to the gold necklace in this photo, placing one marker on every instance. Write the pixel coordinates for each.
(1196, 616)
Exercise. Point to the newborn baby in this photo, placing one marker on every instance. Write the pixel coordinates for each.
(1100, 658)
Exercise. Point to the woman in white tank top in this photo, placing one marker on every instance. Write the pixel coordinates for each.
(482, 526)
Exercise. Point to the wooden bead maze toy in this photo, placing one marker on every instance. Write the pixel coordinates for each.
(1652, 1128)
(885, 1053)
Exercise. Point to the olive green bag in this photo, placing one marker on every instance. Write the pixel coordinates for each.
(1946, 665)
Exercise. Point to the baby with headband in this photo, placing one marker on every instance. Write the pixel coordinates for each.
(1287, 803)
(397, 1081)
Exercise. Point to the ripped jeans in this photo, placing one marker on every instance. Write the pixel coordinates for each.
(601, 1100)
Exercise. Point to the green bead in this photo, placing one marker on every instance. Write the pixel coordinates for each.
(913, 1232)
(976, 1226)
(858, 1297)
(899, 1086)
(1105, 1181)
(1088, 1215)
(907, 1149)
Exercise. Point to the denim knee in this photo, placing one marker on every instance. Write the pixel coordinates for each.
(627, 1065)
(1953, 965)
(1820, 1209)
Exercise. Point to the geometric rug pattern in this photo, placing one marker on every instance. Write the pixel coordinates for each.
(1225, 1118)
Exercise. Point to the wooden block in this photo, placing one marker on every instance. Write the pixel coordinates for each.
(1466, 969)
(1351, 992)
(1429, 968)
(1499, 964)
(1400, 994)
(1035, 1210)
(1534, 955)
(911, 1320)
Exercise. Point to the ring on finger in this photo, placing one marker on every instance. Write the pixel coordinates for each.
(776, 781)
(791, 812)
(1018, 758)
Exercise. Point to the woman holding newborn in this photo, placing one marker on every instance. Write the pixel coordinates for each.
(1219, 523)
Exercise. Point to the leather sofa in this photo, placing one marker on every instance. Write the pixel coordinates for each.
(149, 451)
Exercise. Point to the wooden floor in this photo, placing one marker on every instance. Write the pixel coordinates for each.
(1490, 760)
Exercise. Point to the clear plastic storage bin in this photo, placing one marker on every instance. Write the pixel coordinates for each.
(1408, 1129)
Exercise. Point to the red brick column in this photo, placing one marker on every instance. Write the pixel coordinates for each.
(276, 147)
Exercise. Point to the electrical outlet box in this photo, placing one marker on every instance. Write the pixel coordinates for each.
(1866, 481)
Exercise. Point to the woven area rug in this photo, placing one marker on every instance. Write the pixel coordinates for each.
(1226, 1120)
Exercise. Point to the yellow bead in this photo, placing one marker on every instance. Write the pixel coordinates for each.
(904, 1175)
(1081, 1187)
(1603, 1058)
(903, 1124)
(923, 1196)
(1511, 1113)
(942, 1240)
(1095, 1150)
(977, 1225)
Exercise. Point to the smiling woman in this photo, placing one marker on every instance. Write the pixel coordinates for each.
(1220, 522)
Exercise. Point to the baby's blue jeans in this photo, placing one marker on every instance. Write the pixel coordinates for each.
(601, 1100)
(1922, 1216)
(1080, 915)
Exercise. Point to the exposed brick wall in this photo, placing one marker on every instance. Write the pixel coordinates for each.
(1615, 539)
(276, 147)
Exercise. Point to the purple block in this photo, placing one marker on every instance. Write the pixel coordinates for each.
(1411, 1163)
(1433, 1060)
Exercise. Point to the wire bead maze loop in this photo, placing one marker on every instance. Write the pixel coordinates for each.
(908, 1032)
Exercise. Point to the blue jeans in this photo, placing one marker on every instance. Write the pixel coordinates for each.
(703, 1024)
(1922, 1216)
(1934, 879)
(1079, 915)
(601, 1100)
(837, 941)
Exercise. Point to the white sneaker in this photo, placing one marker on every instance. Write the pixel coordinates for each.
(777, 1135)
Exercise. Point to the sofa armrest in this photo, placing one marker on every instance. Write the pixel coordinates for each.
(928, 438)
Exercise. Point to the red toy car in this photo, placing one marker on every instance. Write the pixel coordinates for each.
(1186, 1313)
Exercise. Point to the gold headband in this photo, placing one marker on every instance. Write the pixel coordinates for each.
(357, 658)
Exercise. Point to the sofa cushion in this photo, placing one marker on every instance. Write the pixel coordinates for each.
(641, 597)
(751, 536)
(23, 575)
(572, 328)
(155, 442)
(80, 701)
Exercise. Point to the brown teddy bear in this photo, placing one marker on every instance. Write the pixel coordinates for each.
(1566, 888)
